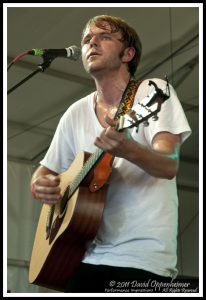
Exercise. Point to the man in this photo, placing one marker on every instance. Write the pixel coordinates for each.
(137, 236)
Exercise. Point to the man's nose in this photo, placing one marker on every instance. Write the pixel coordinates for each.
(94, 40)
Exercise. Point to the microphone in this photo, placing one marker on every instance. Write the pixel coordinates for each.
(72, 52)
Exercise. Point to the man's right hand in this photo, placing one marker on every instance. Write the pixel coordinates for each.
(46, 188)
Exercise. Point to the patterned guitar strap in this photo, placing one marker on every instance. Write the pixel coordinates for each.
(127, 98)
(104, 166)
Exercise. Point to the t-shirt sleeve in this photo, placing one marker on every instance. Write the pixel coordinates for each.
(60, 153)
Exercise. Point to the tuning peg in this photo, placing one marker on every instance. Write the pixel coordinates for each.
(155, 118)
(146, 123)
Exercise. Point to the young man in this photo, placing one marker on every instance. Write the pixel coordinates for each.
(137, 236)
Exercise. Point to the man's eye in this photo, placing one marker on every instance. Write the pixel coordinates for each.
(106, 37)
(100, 37)
(86, 41)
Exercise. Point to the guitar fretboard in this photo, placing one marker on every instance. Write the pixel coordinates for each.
(92, 160)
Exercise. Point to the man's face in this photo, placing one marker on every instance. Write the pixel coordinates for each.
(101, 49)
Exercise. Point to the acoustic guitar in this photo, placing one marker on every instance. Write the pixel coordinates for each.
(65, 229)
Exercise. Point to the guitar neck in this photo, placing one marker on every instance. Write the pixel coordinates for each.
(88, 166)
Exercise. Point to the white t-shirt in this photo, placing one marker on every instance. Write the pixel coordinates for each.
(139, 224)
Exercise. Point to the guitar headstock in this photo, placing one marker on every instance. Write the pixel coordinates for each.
(141, 112)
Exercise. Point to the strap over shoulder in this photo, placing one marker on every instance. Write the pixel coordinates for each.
(127, 98)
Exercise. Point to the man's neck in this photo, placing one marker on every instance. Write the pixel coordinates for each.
(111, 88)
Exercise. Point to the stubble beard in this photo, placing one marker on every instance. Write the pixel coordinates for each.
(99, 68)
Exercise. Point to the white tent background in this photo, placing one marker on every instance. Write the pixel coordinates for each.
(170, 46)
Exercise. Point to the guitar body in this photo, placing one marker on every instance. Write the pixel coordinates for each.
(54, 260)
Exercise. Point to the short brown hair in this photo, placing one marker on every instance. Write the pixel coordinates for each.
(130, 37)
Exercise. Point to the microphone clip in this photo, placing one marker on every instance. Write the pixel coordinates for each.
(47, 60)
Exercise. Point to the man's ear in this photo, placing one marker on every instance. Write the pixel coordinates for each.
(129, 53)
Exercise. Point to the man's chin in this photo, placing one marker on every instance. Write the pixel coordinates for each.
(94, 70)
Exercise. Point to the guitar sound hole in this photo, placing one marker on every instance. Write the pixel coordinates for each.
(64, 201)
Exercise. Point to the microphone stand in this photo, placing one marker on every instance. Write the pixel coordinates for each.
(41, 68)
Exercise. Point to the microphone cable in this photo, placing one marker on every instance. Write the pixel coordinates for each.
(16, 59)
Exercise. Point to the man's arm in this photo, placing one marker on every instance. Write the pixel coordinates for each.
(160, 161)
